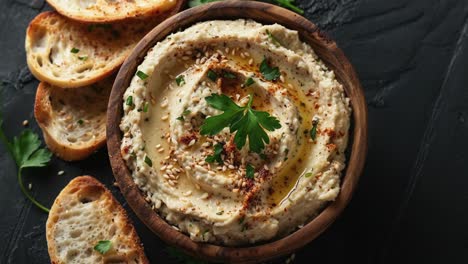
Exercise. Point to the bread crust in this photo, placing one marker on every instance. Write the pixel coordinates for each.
(84, 186)
(70, 54)
(73, 120)
(103, 11)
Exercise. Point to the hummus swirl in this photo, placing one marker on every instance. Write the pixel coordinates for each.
(295, 175)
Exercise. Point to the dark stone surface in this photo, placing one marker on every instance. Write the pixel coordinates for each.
(410, 206)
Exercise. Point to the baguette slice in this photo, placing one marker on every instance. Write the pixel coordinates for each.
(73, 121)
(109, 11)
(70, 54)
(84, 213)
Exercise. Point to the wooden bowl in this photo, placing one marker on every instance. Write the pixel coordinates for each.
(325, 48)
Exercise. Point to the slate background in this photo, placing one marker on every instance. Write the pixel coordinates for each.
(411, 204)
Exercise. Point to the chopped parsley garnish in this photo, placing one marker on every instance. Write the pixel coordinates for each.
(313, 131)
(229, 75)
(308, 174)
(145, 107)
(80, 121)
(103, 246)
(148, 161)
(83, 58)
(129, 101)
(249, 171)
(180, 80)
(182, 118)
(290, 5)
(245, 121)
(268, 72)
(74, 50)
(220, 213)
(142, 75)
(25, 150)
(212, 75)
(216, 157)
(273, 39)
(249, 81)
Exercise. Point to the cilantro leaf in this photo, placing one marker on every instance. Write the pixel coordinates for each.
(218, 150)
(268, 72)
(249, 81)
(25, 150)
(290, 5)
(246, 122)
(249, 171)
(103, 246)
(212, 75)
(180, 80)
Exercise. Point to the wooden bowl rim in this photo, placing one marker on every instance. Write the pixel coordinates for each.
(270, 250)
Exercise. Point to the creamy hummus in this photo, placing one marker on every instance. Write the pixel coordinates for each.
(296, 174)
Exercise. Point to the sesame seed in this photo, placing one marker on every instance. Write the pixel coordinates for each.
(192, 142)
(250, 61)
(205, 195)
(25, 122)
(164, 118)
(187, 168)
(231, 167)
(160, 150)
(30, 186)
(158, 146)
(211, 172)
(60, 172)
(235, 190)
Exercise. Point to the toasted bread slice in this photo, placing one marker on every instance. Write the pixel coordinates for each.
(70, 54)
(84, 213)
(109, 11)
(73, 121)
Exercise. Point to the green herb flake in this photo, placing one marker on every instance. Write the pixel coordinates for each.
(212, 75)
(273, 39)
(148, 161)
(80, 122)
(216, 157)
(249, 171)
(229, 75)
(268, 72)
(313, 131)
(103, 246)
(186, 112)
(290, 5)
(249, 81)
(308, 174)
(180, 118)
(129, 101)
(142, 75)
(220, 213)
(145, 107)
(74, 50)
(244, 121)
(83, 58)
(180, 80)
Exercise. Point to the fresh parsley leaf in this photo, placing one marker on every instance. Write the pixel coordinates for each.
(249, 81)
(180, 80)
(308, 174)
(268, 72)
(25, 150)
(313, 131)
(142, 75)
(273, 39)
(246, 122)
(290, 5)
(80, 122)
(148, 161)
(193, 3)
(186, 112)
(103, 246)
(220, 213)
(249, 171)
(218, 150)
(229, 75)
(83, 58)
(180, 118)
(145, 107)
(129, 101)
(212, 75)
(74, 50)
